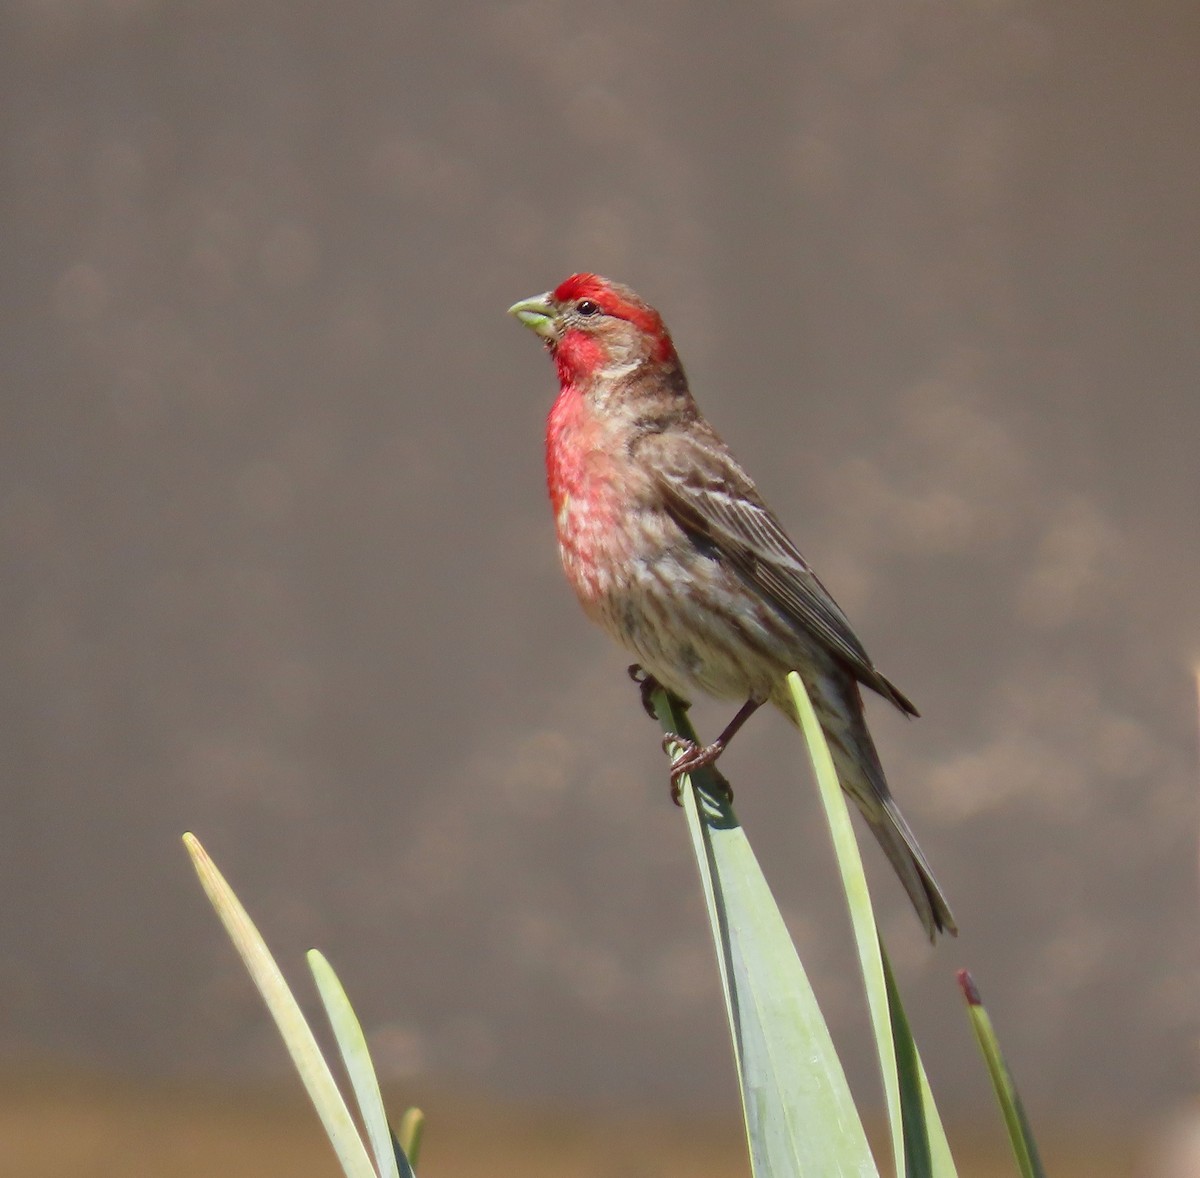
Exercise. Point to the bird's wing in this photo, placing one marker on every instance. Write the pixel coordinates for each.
(711, 496)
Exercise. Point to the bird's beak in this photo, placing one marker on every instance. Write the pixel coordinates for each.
(537, 314)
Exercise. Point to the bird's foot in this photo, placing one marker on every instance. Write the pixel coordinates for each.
(690, 757)
(647, 686)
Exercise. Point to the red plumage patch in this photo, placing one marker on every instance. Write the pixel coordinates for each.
(577, 354)
(613, 302)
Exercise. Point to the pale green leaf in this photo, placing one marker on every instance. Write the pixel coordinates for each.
(800, 1117)
(919, 1144)
(352, 1043)
(297, 1036)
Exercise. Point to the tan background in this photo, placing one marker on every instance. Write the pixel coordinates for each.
(279, 569)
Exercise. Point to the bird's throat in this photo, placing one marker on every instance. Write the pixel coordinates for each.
(578, 478)
(578, 356)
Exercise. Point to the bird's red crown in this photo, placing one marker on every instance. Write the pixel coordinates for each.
(619, 301)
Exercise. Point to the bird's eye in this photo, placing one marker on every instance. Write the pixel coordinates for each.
(586, 307)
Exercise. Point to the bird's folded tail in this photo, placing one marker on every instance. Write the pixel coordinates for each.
(838, 705)
(911, 866)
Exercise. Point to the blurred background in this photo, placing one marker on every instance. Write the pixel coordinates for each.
(280, 570)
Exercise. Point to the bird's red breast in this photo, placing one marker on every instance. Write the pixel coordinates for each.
(579, 477)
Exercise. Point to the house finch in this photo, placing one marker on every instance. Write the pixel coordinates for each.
(670, 547)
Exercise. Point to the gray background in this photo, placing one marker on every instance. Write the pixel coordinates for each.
(279, 567)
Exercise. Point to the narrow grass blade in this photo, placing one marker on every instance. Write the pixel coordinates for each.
(1019, 1134)
(862, 914)
(356, 1057)
(800, 1116)
(918, 1158)
(297, 1036)
(919, 1145)
(408, 1137)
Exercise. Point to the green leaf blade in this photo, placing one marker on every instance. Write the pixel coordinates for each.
(352, 1044)
(1020, 1135)
(920, 1148)
(862, 913)
(800, 1116)
(285, 1010)
(409, 1135)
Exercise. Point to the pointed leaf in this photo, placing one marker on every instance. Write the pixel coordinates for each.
(800, 1116)
(1019, 1133)
(919, 1144)
(412, 1129)
(352, 1043)
(297, 1036)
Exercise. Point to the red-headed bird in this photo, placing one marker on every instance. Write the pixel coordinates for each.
(670, 547)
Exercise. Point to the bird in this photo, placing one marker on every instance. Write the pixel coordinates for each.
(670, 547)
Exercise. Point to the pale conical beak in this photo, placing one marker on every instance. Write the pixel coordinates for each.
(537, 314)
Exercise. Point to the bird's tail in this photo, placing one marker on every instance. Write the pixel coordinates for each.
(838, 706)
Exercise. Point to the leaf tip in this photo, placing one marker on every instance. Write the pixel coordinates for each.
(410, 1132)
(970, 990)
(196, 851)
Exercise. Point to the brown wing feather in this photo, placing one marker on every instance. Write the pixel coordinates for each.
(710, 495)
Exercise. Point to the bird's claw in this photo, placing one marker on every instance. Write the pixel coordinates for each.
(689, 757)
(647, 686)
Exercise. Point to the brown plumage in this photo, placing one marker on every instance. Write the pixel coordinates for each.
(669, 545)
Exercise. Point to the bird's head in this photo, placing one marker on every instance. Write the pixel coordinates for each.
(596, 329)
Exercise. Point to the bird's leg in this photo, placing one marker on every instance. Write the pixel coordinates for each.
(648, 685)
(693, 756)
